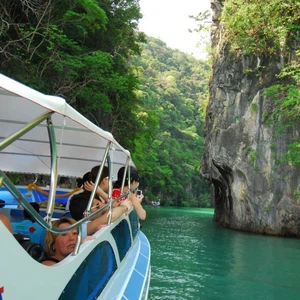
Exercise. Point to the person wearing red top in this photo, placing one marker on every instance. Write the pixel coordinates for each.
(134, 181)
(116, 192)
(80, 201)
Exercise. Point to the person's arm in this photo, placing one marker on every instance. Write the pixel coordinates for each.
(124, 206)
(88, 238)
(89, 186)
(48, 263)
(141, 213)
(6, 222)
(95, 224)
(102, 220)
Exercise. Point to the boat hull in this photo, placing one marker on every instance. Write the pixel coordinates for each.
(98, 271)
(43, 135)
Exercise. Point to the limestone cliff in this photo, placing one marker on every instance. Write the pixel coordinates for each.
(252, 191)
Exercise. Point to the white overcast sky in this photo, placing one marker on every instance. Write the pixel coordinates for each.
(169, 21)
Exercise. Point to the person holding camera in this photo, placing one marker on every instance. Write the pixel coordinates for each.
(133, 197)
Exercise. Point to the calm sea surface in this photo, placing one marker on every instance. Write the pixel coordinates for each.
(193, 258)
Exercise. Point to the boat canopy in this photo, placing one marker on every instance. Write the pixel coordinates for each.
(80, 144)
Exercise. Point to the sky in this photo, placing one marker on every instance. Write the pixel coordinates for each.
(169, 21)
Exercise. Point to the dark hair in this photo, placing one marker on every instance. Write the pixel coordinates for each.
(134, 176)
(94, 173)
(27, 215)
(81, 181)
(77, 206)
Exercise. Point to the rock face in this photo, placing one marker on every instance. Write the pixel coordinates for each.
(252, 190)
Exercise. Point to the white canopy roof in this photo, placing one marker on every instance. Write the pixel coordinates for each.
(80, 144)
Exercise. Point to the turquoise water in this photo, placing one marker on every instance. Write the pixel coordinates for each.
(194, 258)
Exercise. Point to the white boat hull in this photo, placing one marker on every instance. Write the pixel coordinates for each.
(24, 278)
(44, 135)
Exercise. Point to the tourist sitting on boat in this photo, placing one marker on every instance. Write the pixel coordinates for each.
(89, 178)
(133, 197)
(102, 188)
(4, 219)
(80, 182)
(78, 205)
(29, 227)
(59, 246)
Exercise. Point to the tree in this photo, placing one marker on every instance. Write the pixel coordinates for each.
(173, 87)
(78, 50)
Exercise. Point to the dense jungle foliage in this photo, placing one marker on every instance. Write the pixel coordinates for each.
(174, 89)
(79, 51)
(150, 97)
(259, 28)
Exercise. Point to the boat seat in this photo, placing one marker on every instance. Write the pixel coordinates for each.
(34, 231)
(2, 203)
(33, 249)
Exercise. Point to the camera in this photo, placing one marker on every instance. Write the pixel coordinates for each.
(139, 192)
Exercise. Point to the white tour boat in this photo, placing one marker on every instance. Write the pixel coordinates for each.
(42, 134)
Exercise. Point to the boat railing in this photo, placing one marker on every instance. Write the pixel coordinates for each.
(42, 134)
(38, 218)
(46, 222)
(5, 181)
(52, 142)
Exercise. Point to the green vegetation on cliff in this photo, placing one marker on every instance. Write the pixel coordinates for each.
(174, 91)
(257, 27)
(272, 28)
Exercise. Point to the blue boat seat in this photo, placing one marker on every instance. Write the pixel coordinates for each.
(34, 231)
